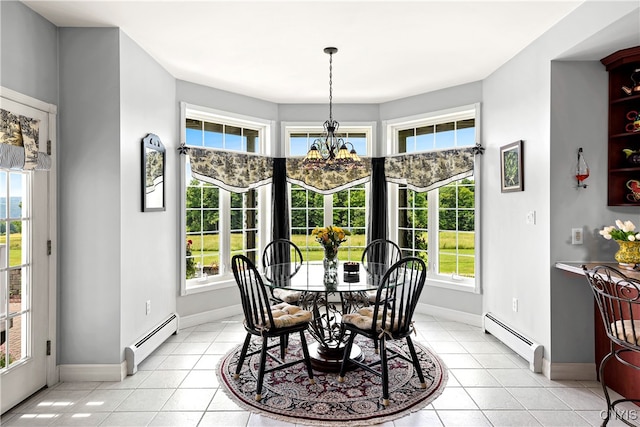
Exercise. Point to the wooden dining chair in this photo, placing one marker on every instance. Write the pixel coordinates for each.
(281, 260)
(266, 321)
(618, 300)
(389, 318)
(378, 256)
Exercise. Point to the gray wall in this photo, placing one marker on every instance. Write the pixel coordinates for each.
(29, 49)
(519, 258)
(579, 93)
(148, 249)
(115, 257)
(89, 196)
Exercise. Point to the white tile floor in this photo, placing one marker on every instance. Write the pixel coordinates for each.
(489, 385)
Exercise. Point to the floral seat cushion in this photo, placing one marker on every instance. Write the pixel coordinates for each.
(363, 319)
(287, 295)
(624, 330)
(286, 315)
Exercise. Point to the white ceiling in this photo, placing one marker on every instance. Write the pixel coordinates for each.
(273, 50)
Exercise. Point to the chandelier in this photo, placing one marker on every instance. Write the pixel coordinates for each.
(330, 152)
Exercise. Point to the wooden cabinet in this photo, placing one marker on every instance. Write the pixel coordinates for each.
(623, 142)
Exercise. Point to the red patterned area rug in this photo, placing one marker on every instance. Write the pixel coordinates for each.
(288, 396)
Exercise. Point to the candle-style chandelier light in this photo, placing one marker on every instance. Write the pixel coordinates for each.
(330, 151)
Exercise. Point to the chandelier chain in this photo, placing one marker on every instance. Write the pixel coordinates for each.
(330, 87)
(330, 152)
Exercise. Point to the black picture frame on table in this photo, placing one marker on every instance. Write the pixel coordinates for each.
(511, 167)
(153, 172)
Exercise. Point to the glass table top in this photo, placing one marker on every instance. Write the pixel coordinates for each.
(310, 277)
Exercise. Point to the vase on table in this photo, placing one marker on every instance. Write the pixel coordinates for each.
(330, 264)
(628, 256)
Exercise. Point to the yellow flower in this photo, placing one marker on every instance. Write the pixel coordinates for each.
(331, 236)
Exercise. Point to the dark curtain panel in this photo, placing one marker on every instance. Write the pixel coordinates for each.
(280, 217)
(377, 227)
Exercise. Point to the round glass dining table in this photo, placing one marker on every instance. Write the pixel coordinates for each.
(328, 301)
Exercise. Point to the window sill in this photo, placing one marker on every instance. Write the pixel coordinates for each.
(455, 286)
(222, 282)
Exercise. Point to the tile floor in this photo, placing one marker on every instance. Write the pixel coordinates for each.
(489, 385)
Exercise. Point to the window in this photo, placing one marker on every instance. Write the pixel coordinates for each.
(347, 208)
(440, 226)
(15, 267)
(218, 223)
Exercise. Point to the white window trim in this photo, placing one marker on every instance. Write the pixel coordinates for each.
(368, 128)
(390, 129)
(267, 129)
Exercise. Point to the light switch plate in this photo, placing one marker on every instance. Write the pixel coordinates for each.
(531, 217)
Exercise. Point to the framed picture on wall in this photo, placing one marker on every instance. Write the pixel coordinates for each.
(153, 169)
(511, 172)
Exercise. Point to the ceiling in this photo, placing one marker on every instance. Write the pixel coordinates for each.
(274, 50)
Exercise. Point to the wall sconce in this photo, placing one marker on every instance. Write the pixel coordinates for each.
(582, 169)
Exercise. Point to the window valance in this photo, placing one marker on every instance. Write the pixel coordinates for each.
(19, 143)
(233, 171)
(327, 181)
(429, 170)
(240, 172)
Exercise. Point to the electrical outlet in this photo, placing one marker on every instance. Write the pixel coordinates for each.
(148, 307)
(576, 236)
(514, 304)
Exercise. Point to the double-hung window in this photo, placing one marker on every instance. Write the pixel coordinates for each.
(441, 225)
(346, 208)
(217, 223)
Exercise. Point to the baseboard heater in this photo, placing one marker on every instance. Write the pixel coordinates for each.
(144, 346)
(531, 351)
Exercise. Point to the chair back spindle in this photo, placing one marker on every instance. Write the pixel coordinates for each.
(398, 295)
(281, 260)
(253, 294)
(379, 255)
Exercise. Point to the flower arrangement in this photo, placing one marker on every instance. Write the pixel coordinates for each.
(190, 267)
(625, 231)
(330, 238)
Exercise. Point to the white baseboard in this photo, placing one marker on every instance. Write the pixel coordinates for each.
(449, 314)
(209, 316)
(569, 371)
(102, 372)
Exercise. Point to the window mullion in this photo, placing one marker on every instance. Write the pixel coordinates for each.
(328, 209)
(433, 216)
(225, 231)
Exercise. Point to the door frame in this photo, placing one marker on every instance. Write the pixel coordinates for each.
(52, 371)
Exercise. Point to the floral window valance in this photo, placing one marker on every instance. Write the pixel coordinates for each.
(240, 172)
(19, 143)
(233, 171)
(327, 181)
(430, 170)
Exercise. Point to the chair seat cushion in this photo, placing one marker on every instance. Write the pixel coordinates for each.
(287, 295)
(624, 330)
(286, 315)
(363, 319)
